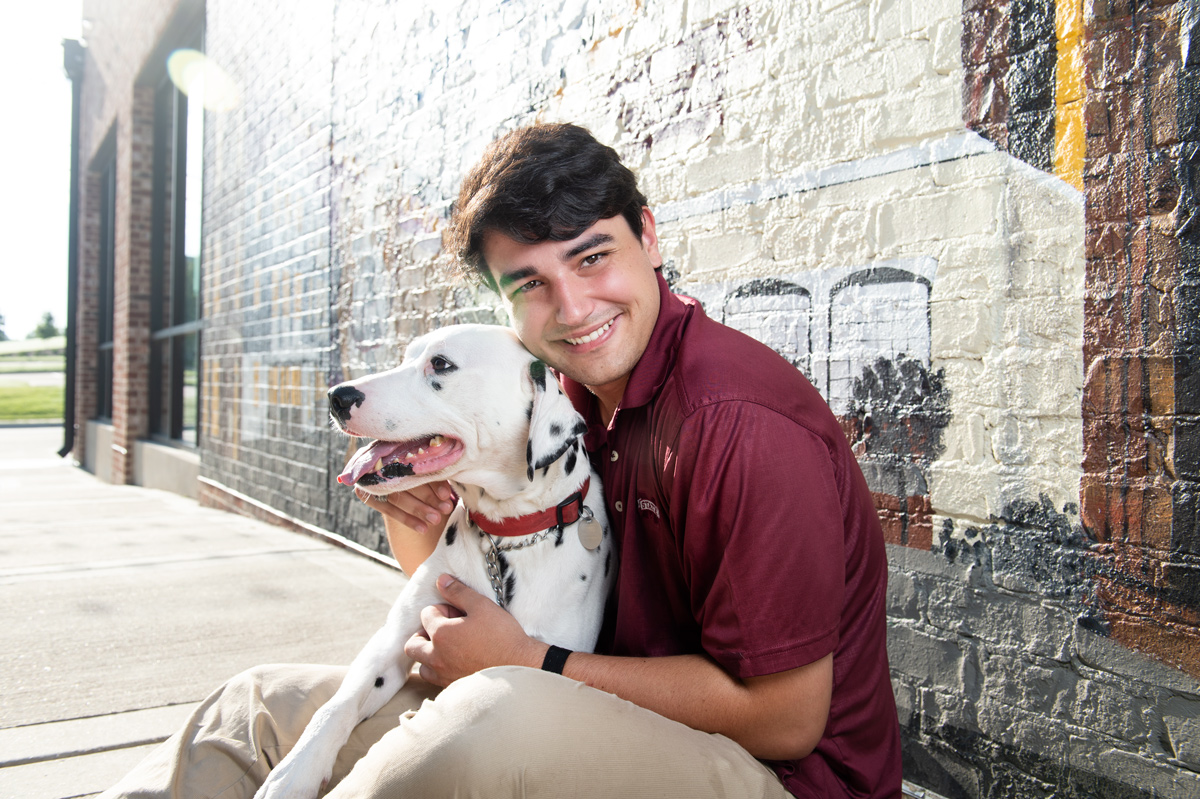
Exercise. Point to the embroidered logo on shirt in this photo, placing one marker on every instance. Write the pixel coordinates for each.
(645, 504)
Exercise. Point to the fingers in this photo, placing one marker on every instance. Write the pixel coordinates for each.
(420, 646)
(461, 595)
(424, 508)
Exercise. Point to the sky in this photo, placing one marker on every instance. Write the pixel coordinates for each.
(35, 138)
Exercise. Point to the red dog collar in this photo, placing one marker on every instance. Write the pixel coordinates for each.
(562, 514)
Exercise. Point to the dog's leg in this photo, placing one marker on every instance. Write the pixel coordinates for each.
(375, 676)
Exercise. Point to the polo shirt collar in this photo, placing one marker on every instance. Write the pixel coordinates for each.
(659, 358)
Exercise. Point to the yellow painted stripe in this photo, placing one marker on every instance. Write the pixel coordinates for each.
(1069, 93)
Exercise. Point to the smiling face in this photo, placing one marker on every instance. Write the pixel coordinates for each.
(586, 306)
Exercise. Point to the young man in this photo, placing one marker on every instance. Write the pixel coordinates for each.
(744, 647)
(750, 599)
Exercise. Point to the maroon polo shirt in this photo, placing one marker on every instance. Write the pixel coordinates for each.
(746, 532)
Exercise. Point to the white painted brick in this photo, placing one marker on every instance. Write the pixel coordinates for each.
(965, 328)
(934, 216)
(947, 46)
(729, 167)
(711, 254)
(962, 489)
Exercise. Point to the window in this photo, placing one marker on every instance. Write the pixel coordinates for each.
(175, 313)
(107, 291)
(873, 314)
(777, 313)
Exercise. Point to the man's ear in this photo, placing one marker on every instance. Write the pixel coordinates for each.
(554, 424)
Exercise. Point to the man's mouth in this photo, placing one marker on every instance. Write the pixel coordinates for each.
(380, 461)
(590, 337)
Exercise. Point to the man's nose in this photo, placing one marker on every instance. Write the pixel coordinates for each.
(574, 304)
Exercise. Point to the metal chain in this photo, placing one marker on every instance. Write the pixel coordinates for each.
(492, 557)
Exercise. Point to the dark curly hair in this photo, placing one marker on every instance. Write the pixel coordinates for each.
(546, 182)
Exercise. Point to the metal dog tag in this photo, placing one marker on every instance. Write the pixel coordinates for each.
(591, 533)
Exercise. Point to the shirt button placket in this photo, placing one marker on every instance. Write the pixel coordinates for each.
(618, 506)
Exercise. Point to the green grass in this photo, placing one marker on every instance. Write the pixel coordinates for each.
(32, 346)
(25, 403)
(26, 365)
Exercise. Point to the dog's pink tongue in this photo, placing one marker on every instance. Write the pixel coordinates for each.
(365, 459)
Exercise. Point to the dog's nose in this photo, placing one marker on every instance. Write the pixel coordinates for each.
(342, 399)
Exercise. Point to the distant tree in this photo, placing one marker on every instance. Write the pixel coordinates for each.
(47, 328)
(3, 335)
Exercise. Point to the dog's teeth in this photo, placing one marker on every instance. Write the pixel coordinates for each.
(436, 441)
(420, 450)
(409, 456)
(379, 465)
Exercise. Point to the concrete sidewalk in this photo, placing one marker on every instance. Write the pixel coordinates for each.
(122, 607)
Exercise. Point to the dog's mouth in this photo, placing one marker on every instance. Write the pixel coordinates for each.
(381, 461)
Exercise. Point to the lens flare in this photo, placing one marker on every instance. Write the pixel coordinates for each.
(199, 78)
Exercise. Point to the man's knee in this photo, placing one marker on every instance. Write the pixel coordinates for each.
(514, 707)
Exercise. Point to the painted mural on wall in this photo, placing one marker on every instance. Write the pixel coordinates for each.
(862, 337)
(1104, 96)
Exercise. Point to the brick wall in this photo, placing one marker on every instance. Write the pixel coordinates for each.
(267, 269)
(123, 61)
(971, 224)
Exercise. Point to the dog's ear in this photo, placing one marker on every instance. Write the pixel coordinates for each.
(554, 424)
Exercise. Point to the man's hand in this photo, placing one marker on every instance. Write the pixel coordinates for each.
(423, 509)
(469, 634)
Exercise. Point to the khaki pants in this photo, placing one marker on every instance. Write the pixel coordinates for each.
(502, 732)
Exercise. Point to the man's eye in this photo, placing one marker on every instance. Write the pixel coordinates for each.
(441, 365)
(593, 259)
(527, 286)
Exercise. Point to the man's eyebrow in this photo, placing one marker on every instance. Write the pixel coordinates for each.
(508, 278)
(594, 240)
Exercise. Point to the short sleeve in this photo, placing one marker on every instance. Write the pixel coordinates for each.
(754, 498)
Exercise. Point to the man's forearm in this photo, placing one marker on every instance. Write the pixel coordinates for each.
(409, 547)
(775, 717)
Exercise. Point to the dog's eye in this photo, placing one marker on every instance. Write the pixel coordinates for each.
(441, 365)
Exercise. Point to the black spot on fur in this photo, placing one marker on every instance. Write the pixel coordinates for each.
(583, 577)
(451, 533)
(397, 469)
(555, 429)
(537, 370)
(378, 682)
(607, 562)
(510, 579)
(579, 429)
(436, 385)
(558, 536)
(529, 412)
(570, 461)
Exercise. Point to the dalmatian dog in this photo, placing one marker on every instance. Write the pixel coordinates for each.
(470, 405)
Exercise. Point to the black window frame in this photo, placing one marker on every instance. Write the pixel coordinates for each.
(172, 327)
(106, 294)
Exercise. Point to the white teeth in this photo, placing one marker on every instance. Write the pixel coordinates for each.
(409, 456)
(595, 334)
(436, 441)
(420, 450)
